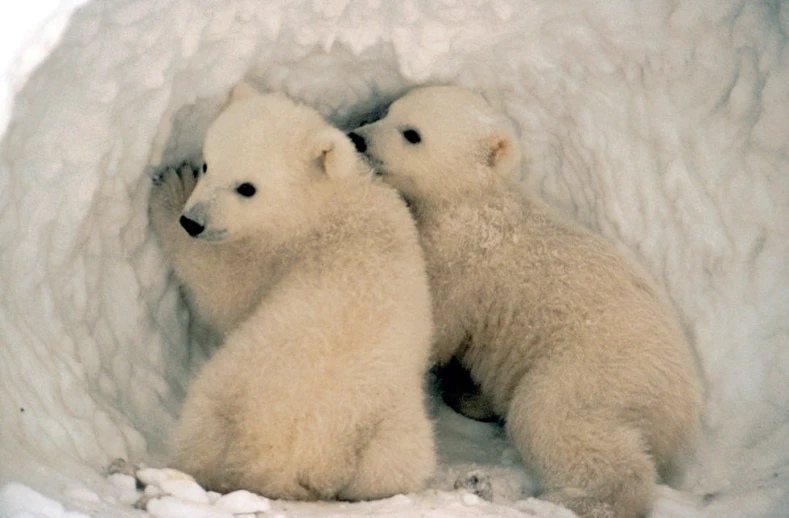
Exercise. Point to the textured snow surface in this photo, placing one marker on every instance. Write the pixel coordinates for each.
(663, 125)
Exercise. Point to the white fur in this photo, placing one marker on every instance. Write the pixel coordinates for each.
(572, 342)
(318, 286)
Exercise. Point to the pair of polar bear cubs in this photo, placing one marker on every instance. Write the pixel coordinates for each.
(332, 297)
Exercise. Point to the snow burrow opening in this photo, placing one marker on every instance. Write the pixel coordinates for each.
(663, 127)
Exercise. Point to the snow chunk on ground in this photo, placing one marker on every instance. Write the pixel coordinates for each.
(240, 502)
(171, 506)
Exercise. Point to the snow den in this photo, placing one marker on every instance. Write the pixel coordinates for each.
(663, 125)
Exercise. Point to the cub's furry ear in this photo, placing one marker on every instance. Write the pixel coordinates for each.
(243, 90)
(504, 154)
(336, 155)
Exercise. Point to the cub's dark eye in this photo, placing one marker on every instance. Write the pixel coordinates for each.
(247, 190)
(412, 136)
(205, 168)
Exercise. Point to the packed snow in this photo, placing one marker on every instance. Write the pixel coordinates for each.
(663, 125)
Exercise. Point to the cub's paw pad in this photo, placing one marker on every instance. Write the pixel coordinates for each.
(177, 183)
(477, 483)
(188, 176)
(165, 176)
(157, 178)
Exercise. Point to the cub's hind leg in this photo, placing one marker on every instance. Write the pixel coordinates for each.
(399, 457)
(592, 463)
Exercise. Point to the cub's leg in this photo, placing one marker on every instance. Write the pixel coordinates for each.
(169, 193)
(399, 457)
(196, 263)
(589, 460)
(206, 432)
(462, 394)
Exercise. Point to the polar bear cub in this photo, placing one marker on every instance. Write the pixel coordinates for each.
(317, 390)
(572, 343)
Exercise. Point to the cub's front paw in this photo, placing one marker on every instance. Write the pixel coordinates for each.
(173, 186)
(477, 483)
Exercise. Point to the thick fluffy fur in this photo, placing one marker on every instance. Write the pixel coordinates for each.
(573, 343)
(318, 285)
(219, 290)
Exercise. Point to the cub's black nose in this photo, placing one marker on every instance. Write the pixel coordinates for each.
(358, 141)
(192, 227)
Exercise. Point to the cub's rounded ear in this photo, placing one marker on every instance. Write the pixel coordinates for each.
(504, 153)
(243, 90)
(336, 155)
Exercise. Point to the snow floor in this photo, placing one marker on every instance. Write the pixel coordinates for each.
(663, 125)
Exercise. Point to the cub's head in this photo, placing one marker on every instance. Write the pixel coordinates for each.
(265, 158)
(439, 142)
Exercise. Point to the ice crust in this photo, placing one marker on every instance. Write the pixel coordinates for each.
(662, 125)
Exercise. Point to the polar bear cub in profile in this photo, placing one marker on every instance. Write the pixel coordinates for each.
(571, 342)
(317, 389)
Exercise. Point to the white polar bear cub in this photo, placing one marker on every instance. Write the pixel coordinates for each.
(574, 345)
(317, 391)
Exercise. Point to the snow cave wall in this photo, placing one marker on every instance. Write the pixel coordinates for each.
(662, 125)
